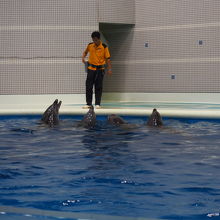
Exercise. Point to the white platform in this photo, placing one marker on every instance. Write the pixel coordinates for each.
(187, 105)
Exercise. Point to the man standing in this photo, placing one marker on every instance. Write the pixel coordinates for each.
(98, 56)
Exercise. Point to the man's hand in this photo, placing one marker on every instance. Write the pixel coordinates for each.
(109, 67)
(83, 60)
(84, 56)
(109, 72)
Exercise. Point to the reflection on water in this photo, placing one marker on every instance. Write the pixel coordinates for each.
(169, 173)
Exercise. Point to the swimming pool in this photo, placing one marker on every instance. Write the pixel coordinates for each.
(109, 172)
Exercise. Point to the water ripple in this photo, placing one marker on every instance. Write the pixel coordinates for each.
(168, 173)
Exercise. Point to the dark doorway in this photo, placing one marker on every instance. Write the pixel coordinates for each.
(119, 38)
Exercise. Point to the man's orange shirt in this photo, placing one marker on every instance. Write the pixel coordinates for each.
(97, 54)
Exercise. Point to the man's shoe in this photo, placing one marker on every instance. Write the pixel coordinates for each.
(98, 107)
(86, 106)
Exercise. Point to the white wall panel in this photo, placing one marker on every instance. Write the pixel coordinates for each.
(156, 13)
(48, 43)
(117, 11)
(178, 43)
(48, 12)
(41, 44)
(42, 77)
(183, 40)
(189, 77)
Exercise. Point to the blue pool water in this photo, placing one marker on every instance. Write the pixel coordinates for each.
(109, 172)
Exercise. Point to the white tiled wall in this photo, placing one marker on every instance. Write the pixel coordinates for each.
(163, 13)
(41, 43)
(182, 53)
(117, 11)
(173, 29)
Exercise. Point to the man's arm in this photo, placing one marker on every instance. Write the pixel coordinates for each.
(84, 55)
(109, 67)
(108, 61)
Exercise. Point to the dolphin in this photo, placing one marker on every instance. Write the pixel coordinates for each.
(119, 121)
(89, 119)
(116, 120)
(155, 119)
(51, 115)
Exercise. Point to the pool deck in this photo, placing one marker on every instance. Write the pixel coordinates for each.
(169, 105)
(180, 110)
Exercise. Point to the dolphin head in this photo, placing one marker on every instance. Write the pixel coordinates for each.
(155, 119)
(89, 119)
(115, 120)
(51, 115)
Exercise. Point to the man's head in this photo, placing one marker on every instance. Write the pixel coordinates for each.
(96, 37)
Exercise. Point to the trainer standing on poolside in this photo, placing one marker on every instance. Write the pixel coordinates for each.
(98, 56)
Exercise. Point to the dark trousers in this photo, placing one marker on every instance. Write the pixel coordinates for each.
(94, 78)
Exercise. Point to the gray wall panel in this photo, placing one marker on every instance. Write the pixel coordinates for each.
(173, 30)
(42, 77)
(48, 12)
(41, 44)
(178, 43)
(170, 77)
(154, 13)
(124, 79)
(117, 11)
(189, 77)
(38, 39)
(32, 43)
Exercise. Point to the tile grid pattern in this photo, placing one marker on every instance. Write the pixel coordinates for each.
(173, 47)
(41, 45)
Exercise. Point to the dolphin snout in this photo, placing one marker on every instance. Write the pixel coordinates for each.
(59, 104)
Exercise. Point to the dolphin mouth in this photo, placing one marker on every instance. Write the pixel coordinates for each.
(59, 104)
